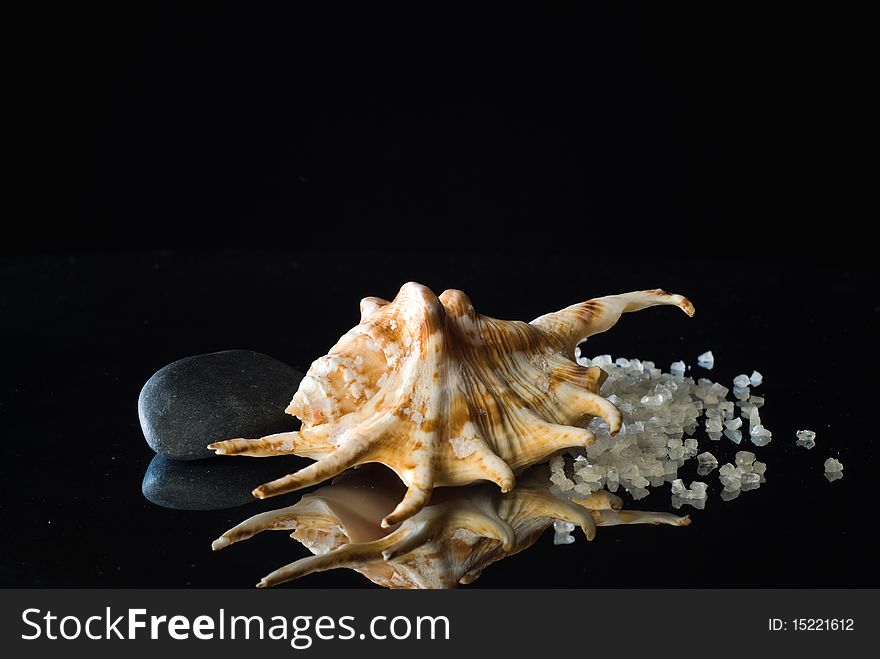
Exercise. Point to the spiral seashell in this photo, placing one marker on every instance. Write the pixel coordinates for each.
(445, 396)
(451, 540)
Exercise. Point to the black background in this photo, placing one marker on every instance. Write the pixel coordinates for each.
(202, 177)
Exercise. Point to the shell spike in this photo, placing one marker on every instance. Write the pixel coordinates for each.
(283, 443)
(417, 496)
(485, 522)
(412, 535)
(283, 519)
(580, 321)
(616, 518)
(344, 556)
(593, 405)
(327, 467)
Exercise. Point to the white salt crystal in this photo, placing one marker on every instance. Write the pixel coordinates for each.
(741, 381)
(806, 438)
(750, 482)
(714, 436)
(638, 493)
(563, 538)
(640, 481)
(833, 476)
(741, 393)
(760, 436)
(706, 360)
(744, 458)
(833, 465)
(755, 379)
(733, 424)
(729, 495)
(759, 468)
(754, 418)
(698, 489)
(730, 476)
(713, 425)
(697, 502)
(678, 487)
(677, 369)
(734, 435)
(706, 462)
(561, 526)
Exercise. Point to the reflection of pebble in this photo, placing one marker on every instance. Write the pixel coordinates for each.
(211, 484)
(192, 402)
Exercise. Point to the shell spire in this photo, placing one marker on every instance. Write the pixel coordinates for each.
(445, 396)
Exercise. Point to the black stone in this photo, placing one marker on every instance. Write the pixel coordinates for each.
(206, 398)
(212, 484)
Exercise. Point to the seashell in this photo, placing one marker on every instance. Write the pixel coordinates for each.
(445, 396)
(451, 540)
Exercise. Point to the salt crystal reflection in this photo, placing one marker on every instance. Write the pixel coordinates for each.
(451, 541)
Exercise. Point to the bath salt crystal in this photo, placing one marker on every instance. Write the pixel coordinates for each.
(729, 495)
(678, 487)
(563, 538)
(760, 436)
(755, 379)
(744, 458)
(750, 482)
(639, 493)
(706, 360)
(832, 465)
(741, 381)
(733, 424)
(698, 490)
(640, 482)
(806, 438)
(754, 418)
(714, 436)
(677, 369)
(734, 435)
(560, 481)
(741, 393)
(757, 401)
(676, 453)
(833, 476)
(706, 462)
(730, 476)
(561, 526)
(759, 468)
(713, 425)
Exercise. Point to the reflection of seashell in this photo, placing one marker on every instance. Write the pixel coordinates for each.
(445, 396)
(450, 541)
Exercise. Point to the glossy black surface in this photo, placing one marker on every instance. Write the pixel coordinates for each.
(608, 147)
(84, 332)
